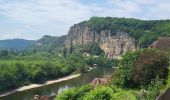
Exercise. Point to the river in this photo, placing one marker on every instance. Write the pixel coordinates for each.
(59, 87)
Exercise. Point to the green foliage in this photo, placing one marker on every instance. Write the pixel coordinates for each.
(148, 66)
(151, 91)
(93, 49)
(168, 80)
(148, 39)
(140, 68)
(88, 92)
(101, 61)
(99, 93)
(122, 76)
(75, 93)
(145, 32)
(124, 95)
(154, 89)
(143, 71)
(4, 53)
(80, 62)
(21, 68)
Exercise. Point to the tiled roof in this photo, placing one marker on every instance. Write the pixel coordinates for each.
(163, 43)
(153, 44)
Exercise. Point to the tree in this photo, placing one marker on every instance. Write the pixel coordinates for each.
(99, 93)
(122, 76)
(4, 53)
(148, 66)
(140, 68)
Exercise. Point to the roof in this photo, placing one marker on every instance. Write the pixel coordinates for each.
(153, 44)
(163, 43)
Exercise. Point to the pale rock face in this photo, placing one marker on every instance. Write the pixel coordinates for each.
(112, 45)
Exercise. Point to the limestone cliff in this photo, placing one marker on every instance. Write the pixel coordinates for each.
(112, 44)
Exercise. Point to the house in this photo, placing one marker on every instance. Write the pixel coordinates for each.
(163, 44)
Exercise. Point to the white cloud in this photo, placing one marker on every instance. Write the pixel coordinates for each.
(42, 12)
(35, 18)
(43, 15)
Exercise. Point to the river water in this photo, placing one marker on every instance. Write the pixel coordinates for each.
(59, 87)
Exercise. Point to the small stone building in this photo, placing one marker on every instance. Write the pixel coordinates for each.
(163, 44)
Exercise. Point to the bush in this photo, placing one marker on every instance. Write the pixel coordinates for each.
(148, 66)
(99, 93)
(151, 91)
(122, 76)
(124, 95)
(140, 68)
(93, 48)
(101, 61)
(75, 93)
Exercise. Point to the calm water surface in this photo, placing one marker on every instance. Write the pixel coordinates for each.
(58, 87)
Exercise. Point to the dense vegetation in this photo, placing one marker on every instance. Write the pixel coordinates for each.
(49, 43)
(139, 68)
(17, 71)
(46, 43)
(18, 68)
(144, 32)
(140, 76)
(93, 49)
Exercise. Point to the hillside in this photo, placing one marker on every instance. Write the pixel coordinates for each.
(46, 42)
(117, 35)
(49, 43)
(113, 35)
(141, 30)
(51, 40)
(16, 44)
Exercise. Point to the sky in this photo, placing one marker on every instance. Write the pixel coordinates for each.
(32, 19)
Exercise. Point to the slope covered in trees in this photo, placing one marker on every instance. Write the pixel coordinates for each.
(18, 68)
(49, 43)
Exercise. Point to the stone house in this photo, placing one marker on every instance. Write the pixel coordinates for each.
(163, 44)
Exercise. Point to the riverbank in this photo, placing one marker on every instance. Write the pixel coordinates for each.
(31, 86)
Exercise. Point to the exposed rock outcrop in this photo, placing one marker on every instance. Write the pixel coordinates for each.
(37, 97)
(112, 44)
(100, 81)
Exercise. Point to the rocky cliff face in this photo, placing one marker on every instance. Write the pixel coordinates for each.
(112, 45)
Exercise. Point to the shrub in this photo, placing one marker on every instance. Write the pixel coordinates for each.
(152, 90)
(140, 68)
(124, 95)
(148, 66)
(99, 93)
(75, 93)
(122, 76)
